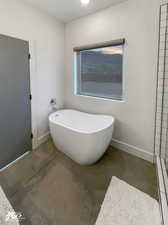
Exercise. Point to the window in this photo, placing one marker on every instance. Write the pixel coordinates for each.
(99, 71)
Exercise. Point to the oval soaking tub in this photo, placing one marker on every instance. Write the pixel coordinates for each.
(81, 136)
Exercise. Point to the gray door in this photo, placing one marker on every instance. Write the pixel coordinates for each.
(15, 106)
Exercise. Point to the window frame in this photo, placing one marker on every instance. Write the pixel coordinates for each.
(76, 76)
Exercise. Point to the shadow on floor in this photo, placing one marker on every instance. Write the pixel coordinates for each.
(48, 188)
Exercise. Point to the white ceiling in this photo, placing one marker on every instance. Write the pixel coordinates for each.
(68, 10)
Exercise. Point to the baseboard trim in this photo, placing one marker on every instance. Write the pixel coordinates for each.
(115, 143)
(42, 139)
(140, 153)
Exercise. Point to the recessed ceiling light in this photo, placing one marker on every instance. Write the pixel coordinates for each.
(85, 2)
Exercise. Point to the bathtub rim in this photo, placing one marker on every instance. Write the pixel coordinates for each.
(51, 120)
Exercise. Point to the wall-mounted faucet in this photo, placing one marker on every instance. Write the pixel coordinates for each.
(54, 105)
(53, 101)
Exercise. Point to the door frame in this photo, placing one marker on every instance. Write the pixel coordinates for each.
(33, 82)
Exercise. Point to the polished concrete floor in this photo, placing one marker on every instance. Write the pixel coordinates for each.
(48, 188)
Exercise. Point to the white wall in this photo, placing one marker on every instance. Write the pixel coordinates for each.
(137, 21)
(46, 37)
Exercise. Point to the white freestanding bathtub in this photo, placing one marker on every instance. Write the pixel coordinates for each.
(81, 136)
